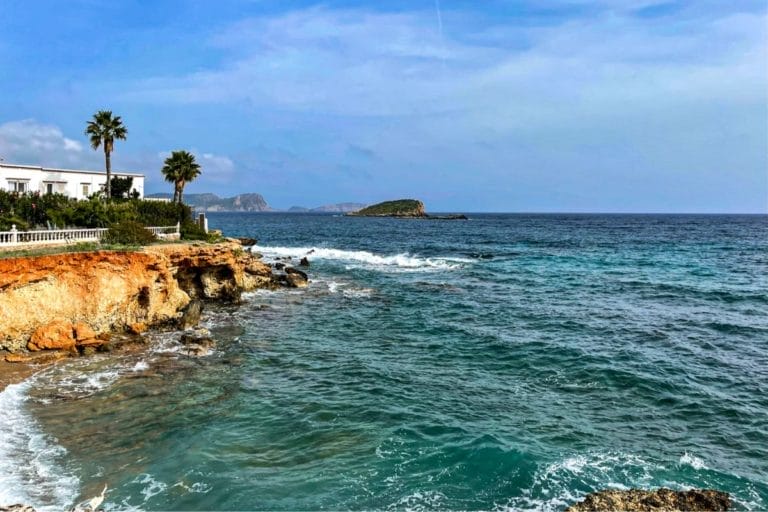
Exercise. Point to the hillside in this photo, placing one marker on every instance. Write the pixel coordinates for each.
(213, 203)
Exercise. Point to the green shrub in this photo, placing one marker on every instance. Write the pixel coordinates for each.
(7, 222)
(160, 213)
(192, 231)
(128, 232)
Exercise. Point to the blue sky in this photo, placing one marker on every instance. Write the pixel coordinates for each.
(469, 105)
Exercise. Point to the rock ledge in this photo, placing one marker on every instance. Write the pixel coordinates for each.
(661, 500)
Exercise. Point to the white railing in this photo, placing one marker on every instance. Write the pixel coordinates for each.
(67, 236)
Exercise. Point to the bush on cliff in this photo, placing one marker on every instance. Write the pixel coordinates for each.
(128, 232)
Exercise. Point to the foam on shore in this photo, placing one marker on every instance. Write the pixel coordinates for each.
(31, 470)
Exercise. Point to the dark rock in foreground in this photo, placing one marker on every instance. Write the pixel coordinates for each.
(662, 500)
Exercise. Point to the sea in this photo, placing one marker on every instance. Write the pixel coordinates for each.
(505, 362)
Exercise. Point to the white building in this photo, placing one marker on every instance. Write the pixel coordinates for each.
(73, 183)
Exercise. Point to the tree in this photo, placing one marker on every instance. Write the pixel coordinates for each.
(103, 130)
(121, 187)
(180, 168)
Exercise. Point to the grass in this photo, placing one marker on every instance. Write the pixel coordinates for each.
(65, 249)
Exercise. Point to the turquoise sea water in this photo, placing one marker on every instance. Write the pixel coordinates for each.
(509, 362)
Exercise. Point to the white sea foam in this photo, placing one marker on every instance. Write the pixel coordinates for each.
(152, 487)
(693, 461)
(599, 470)
(31, 469)
(402, 261)
(140, 366)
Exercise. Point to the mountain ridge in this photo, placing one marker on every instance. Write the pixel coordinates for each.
(252, 202)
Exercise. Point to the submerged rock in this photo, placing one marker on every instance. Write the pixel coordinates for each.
(196, 344)
(662, 500)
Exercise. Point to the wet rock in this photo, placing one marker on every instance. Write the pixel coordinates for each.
(197, 345)
(247, 241)
(291, 270)
(17, 508)
(304, 262)
(58, 335)
(190, 315)
(44, 357)
(661, 500)
(279, 265)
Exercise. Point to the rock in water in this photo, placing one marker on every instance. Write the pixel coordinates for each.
(190, 316)
(304, 262)
(246, 242)
(661, 500)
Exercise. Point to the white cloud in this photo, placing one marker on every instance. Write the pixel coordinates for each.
(28, 141)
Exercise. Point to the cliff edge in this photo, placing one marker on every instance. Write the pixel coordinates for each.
(50, 302)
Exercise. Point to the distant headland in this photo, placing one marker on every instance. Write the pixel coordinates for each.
(251, 202)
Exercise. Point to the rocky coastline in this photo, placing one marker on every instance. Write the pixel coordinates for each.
(74, 304)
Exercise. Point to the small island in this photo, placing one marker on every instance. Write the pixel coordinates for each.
(402, 208)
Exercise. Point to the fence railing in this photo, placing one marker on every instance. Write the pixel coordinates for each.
(67, 236)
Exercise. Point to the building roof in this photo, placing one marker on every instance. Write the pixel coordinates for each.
(77, 171)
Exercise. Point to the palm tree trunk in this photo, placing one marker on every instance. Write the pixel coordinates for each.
(181, 191)
(108, 158)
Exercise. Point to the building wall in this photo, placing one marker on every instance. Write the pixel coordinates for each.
(73, 183)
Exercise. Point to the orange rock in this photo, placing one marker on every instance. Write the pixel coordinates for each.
(137, 327)
(55, 335)
(17, 358)
(83, 332)
(92, 342)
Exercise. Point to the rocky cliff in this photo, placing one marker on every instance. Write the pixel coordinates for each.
(250, 202)
(100, 292)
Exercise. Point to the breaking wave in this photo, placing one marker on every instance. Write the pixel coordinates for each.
(31, 469)
(402, 261)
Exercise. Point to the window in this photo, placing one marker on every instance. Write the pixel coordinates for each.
(86, 189)
(17, 186)
(49, 188)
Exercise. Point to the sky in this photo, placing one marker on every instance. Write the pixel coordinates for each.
(468, 105)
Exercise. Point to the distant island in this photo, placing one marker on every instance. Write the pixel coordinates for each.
(251, 202)
(401, 208)
(329, 208)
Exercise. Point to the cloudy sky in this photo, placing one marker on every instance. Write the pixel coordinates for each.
(469, 105)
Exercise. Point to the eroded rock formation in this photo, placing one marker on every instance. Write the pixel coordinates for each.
(60, 302)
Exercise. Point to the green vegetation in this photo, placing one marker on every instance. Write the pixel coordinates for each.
(43, 211)
(103, 129)
(121, 188)
(180, 168)
(128, 232)
(399, 208)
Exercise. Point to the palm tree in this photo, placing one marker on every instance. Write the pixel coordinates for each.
(104, 129)
(179, 169)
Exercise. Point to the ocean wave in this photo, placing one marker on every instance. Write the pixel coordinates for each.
(693, 461)
(594, 470)
(402, 261)
(30, 462)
